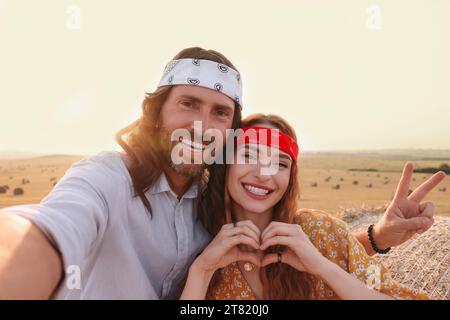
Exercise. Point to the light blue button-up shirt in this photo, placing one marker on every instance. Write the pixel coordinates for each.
(99, 227)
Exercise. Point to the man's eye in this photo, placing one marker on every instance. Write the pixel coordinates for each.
(222, 114)
(187, 104)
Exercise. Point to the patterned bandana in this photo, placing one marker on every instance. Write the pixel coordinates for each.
(204, 73)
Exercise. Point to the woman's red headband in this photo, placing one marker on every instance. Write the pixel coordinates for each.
(269, 137)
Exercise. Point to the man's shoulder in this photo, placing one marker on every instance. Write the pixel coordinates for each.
(112, 160)
(107, 166)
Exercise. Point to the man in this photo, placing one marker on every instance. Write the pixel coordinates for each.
(124, 225)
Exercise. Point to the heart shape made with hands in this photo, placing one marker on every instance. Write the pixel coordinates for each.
(278, 249)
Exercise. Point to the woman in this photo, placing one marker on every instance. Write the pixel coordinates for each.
(264, 248)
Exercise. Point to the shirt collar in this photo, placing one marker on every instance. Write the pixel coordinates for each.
(162, 185)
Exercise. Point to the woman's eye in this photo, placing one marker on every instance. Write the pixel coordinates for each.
(282, 165)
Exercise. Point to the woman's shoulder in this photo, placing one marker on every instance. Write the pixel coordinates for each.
(317, 223)
(313, 218)
(329, 234)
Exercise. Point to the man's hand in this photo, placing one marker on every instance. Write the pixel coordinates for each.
(406, 215)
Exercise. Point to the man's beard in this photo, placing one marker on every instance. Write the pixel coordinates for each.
(189, 170)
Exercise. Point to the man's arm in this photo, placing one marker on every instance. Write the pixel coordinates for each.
(30, 267)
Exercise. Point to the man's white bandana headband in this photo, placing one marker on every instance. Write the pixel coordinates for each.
(204, 73)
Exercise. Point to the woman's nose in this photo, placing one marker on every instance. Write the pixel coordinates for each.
(258, 173)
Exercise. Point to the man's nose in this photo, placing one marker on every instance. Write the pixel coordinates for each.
(203, 123)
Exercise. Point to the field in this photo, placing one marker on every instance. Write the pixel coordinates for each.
(41, 172)
(315, 168)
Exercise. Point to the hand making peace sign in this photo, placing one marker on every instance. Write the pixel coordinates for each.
(407, 214)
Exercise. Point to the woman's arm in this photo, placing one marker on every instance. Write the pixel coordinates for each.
(302, 255)
(197, 283)
(406, 215)
(363, 238)
(346, 286)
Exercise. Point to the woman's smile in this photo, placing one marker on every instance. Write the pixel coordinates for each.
(256, 192)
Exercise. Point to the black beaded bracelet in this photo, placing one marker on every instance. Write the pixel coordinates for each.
(372, 242)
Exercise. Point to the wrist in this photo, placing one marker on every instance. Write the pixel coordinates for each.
(324, 267)
(379, 238)
(200, 270)
(197, 283)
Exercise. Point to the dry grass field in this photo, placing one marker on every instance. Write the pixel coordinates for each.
(320, 173)
(325, 179)
(41, 172)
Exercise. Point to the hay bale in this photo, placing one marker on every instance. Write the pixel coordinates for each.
(18, 191)
(386, 182)
(422, 263)
(342, 179)
(314, 184)
(3, 190)
(369, 185)
(328, 179)
(336, 187)
(443, 189)
(355, 182)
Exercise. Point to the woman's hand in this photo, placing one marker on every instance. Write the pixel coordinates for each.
(223, 249)
(407, 214)
(300, 253)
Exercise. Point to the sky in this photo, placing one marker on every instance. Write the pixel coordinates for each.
(348, 74)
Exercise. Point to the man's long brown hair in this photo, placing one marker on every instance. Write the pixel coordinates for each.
(280, 281)
(142, 139)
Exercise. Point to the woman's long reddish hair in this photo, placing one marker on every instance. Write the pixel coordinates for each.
(280, 281)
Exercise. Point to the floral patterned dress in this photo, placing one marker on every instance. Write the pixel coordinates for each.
(334, 240)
